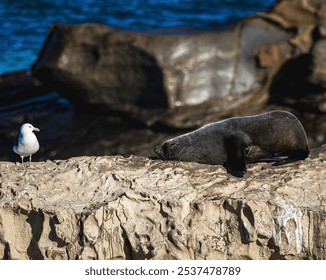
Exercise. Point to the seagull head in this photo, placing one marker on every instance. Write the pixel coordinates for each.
(27, 127)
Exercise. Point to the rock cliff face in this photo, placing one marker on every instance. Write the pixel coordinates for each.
(137, 208)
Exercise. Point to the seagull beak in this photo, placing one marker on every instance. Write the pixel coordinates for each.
(36, 129)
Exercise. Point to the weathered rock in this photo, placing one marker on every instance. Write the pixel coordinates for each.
(17, 87)
(291, 13)
(136, 208)
(318, 73)
(276, 56)
(124, 71)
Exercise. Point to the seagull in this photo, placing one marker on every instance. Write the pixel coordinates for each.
(26, 144)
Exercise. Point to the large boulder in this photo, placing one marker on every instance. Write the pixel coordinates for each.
(136, 208)
(97, 66)
(187, 80)
(300, 82)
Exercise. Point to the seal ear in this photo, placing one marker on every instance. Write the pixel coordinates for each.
(235, 150)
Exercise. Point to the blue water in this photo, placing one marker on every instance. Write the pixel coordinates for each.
(25, 23)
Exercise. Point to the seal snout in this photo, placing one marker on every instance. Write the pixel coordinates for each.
(159, 151)
(162, 151)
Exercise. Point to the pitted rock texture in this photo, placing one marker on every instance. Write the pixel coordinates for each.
(137, 208)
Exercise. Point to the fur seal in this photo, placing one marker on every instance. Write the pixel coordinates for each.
(276, 136)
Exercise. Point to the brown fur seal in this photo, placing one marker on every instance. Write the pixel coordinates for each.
(274, 136)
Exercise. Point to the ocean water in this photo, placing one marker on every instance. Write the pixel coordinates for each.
(25, 23)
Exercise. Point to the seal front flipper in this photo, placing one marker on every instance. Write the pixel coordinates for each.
(235, 150)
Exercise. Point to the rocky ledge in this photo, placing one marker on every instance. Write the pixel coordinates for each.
(138, 208)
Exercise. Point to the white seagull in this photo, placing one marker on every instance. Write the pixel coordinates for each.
(26, 144)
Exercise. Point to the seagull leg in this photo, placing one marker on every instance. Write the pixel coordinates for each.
(30, 160)
(23, 163)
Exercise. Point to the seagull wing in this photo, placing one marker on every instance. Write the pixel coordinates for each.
(18, 139)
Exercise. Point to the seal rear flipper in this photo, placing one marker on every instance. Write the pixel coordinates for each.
(292, 156)
(285, 161)
(235, 150)
(264, 159)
